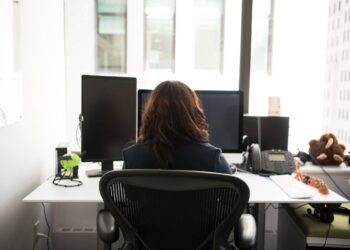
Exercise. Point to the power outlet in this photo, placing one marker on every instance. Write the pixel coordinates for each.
(36, 234)
(36, 230)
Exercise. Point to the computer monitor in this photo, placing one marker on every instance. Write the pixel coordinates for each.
(224, 113)
(270, 132)
(108, 119)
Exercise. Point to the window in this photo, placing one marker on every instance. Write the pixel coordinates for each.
(299, 66)
(159, 34)
(262, 36)
(111, 35)
(195, 41)
(208, 34)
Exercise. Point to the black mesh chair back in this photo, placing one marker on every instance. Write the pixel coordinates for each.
(174, 209)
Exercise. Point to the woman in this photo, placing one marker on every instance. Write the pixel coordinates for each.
(174, 134)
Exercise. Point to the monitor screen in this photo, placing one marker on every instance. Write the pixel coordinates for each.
(270, 132)
(224, 113)
(108, 118)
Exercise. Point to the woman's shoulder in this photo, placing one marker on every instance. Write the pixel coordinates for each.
(136, 147)
(205, 146)
(139, 156)
(200, 148)
(205, 155)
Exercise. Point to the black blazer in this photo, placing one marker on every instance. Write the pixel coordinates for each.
(192, 156)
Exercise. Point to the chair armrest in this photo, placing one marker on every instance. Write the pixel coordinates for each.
(107, 229)
(245, 232)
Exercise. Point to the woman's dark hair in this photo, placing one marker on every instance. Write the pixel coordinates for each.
(173, 115)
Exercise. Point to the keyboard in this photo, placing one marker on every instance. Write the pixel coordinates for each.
(292, 187)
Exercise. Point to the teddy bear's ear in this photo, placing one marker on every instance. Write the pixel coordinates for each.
(324, 137)
(321, 157)
(338, 158)
(312, 142)
(329, 142)
(334, 137)
(342, 146)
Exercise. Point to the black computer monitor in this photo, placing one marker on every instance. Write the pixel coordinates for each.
(108, 119)
(270, 132)
(224, 113)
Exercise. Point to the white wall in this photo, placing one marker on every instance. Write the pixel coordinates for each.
(27, 148)
(6, 44)
(10, 79)
(80, 58)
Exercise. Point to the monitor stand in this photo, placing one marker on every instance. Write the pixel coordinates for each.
(105, 167)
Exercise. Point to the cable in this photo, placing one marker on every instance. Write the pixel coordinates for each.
(243, 171)
(39, 236)
(295, 208)
(325, 241)
(78, 129)
(302, 205)
(34, 244)
(76, 134)
(267, 207)
(259, 130)
(328, 175)
(48, 178)
(286, 207)
(57, 179)
(271, 205)
(48, 227)
(245, 162)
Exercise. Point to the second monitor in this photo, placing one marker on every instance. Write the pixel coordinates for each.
(270, 132)
(224, 113)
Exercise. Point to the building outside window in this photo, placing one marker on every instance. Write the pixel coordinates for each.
(196, 41)
(297, 65)
(208, 34)
(262, 36)
(159, 34)
(294, 55)
(337, 83)
(111, 35)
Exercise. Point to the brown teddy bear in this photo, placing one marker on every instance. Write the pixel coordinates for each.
(327, 150)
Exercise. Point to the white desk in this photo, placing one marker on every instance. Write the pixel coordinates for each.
(262, 190)
(48, 192)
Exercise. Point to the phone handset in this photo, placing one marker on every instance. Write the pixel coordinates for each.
(255, 157)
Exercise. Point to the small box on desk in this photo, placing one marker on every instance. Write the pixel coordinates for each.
(298, 230)
(61, 150)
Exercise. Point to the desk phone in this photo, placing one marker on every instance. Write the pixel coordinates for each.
(271, 161)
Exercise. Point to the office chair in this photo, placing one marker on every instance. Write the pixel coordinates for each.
(176, 209)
